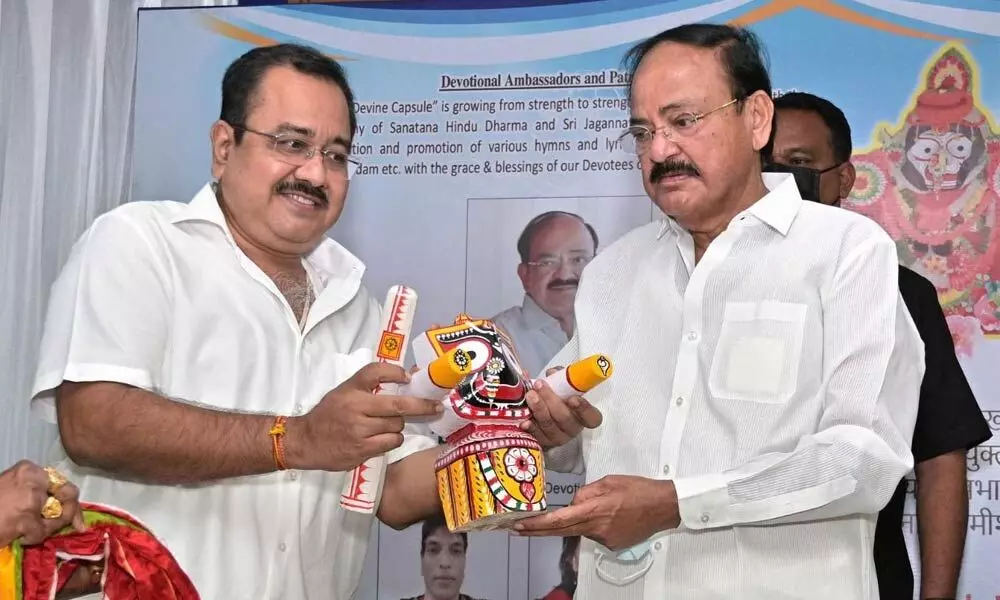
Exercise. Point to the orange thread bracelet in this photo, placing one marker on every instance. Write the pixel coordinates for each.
(277, 433)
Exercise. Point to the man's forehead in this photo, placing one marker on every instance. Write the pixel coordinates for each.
(559, 232)
(443, 536)
(301, 104)
(676, 77)
(801, 130)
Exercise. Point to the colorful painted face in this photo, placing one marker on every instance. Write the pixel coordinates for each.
(497, 385)
(939, 157)
(932, 181)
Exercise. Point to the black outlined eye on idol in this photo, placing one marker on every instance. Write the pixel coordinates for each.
(478, 351)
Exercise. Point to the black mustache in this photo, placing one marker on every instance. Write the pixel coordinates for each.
(563, 282)
(304, 188)
(672, 167)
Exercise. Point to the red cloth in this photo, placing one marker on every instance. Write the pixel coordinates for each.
(558, 594)
(137, 565)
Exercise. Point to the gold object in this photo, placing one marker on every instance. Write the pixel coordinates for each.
(53, 508)
(56, 479)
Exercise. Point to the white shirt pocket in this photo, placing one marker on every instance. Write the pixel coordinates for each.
(327, 371)
(759, 351)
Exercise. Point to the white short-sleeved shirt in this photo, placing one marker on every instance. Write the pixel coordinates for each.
(157, 295)
(775, 382)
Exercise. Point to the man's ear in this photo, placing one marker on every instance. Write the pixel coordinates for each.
(760, 111)
(223, 141)
(847, 177)
(522, 274)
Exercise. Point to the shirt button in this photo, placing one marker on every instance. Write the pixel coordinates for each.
(679, 401)
(658, 546)
(705, 518)
(666, 469)
(282, 546)
(693, 336)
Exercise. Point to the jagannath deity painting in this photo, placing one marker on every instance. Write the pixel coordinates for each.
(933, 183)
(491, 473)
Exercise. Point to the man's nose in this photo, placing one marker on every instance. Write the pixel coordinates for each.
(565, 270)
(313, 171)
(662, 147)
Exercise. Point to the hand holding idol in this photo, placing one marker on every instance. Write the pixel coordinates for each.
(558, 410)
(352, 423)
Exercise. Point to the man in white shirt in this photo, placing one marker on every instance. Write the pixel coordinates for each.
(767, 369)
(209, 363)
(554, 248)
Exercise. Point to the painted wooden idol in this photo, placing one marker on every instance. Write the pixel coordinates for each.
(491, 473)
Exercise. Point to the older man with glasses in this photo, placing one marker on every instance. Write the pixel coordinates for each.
(767, 369)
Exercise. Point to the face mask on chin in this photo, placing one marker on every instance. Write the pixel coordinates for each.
(806, 178)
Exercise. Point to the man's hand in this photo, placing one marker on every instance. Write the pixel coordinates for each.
(352, 424)
(554, 420)
(24, 489)
(617, 511)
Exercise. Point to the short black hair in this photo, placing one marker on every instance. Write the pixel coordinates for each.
(534, 225)
(434, 523)
(833, 117)
(243, 77)
(743, 57)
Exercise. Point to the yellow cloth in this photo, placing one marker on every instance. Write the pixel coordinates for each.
(8, 574)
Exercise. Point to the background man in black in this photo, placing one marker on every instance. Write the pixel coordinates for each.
(813, 141)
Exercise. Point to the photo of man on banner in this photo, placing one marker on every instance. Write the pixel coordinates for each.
(554, 248)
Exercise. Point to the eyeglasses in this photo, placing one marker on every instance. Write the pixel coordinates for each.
(637, 139)
(551, 263)
(297, 151)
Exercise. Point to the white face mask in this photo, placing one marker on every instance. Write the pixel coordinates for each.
(639, 554)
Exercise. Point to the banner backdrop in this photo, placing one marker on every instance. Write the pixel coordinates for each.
(472, 122)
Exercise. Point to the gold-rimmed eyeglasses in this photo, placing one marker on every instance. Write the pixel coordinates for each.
(552, 263)
(638, 138)
(297, 151)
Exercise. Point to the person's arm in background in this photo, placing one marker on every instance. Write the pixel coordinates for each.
(949, 423)
(942, 520)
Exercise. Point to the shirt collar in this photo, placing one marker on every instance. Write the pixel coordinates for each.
(329, 259)
(780, 205)
(534, 316)
(203, 207)
(777, 208)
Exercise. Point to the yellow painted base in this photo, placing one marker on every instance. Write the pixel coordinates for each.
(492, 489)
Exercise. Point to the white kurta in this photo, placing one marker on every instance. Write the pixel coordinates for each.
(158, 296)
(776, 382)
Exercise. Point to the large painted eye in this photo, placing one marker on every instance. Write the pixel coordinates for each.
(924, 149)
(478, 352)
(960, 147)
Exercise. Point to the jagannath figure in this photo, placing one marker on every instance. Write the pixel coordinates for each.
(933, 183)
